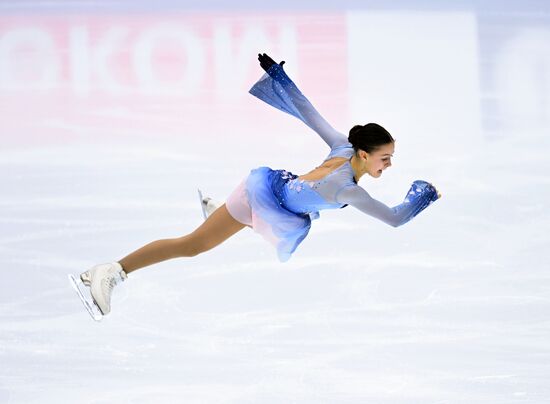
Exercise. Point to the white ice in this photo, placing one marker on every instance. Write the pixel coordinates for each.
(103, 146)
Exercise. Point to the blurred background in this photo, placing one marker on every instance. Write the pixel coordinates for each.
(114, 113)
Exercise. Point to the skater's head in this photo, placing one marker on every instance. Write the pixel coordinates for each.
(374, 147)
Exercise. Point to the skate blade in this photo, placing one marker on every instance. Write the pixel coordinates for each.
(89, 304)
(203, 207)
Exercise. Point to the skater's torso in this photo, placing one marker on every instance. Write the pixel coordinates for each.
(318, 189)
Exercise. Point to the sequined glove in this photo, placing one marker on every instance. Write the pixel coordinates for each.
(266, 62)
(421, 195)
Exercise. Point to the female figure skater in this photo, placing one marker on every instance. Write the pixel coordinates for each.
(276, 203)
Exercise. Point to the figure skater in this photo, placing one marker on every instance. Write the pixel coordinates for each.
(277, 204)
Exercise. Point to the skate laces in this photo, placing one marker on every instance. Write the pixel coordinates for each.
(111, 281)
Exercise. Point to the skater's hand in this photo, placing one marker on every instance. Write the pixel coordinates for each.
(266, 62)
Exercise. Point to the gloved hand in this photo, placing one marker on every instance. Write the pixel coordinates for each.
(266, 62)
(423, 189)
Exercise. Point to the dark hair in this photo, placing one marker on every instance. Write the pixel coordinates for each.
(369, 137)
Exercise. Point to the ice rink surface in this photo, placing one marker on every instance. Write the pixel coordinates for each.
(113, 115)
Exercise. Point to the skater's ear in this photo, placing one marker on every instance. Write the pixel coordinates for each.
(362, 154)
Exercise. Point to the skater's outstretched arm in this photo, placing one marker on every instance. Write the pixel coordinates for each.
(279, 91)
(420, 195)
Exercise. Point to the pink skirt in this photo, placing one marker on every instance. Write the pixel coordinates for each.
(238, 206)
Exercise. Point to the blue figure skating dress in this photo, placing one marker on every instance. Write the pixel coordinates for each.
(280, 206)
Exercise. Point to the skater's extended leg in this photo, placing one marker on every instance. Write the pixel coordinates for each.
(101, 279)
(217, 228)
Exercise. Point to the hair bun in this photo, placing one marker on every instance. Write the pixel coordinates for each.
(356, 129)
(354, 133)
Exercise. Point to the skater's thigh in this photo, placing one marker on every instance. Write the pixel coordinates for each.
(218, 227)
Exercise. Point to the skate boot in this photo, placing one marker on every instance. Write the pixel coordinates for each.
(102, 279)
(208, 205)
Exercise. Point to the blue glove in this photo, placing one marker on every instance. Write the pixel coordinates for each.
(420, 196)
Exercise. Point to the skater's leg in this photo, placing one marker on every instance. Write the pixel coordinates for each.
(217, 228)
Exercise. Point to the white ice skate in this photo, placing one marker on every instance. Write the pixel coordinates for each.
(101, 279)
(208, 205)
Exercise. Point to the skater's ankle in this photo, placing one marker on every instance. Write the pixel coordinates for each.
(123, 273)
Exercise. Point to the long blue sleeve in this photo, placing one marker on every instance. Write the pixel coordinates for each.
(279, 91)
(420, 195)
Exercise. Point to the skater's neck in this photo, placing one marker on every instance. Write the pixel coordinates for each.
(358, 169)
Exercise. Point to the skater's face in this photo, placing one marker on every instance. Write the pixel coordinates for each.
(377, 161)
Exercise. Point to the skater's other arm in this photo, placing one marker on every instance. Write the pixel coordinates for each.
(419, 197)
(279, 91)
